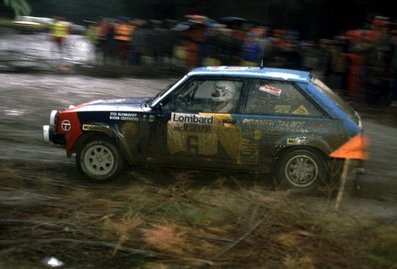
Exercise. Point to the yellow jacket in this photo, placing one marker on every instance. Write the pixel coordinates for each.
(60, 29)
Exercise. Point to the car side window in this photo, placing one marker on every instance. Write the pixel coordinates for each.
(217, 96)
(278, 98)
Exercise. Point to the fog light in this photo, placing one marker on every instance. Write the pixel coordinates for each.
(46, 133)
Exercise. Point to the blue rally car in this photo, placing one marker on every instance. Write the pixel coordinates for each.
(264, 120)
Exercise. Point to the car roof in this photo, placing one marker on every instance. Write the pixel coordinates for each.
(258, 72)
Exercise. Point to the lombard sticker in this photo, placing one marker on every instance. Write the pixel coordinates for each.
(195, 123)
(193, 134)
(192, 118)
(271, 90)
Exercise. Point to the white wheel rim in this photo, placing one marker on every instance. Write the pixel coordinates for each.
(98, 160)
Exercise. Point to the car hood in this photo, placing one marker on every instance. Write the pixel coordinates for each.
(128, 104)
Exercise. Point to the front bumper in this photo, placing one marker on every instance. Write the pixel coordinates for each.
(49, 131)
(49, 135)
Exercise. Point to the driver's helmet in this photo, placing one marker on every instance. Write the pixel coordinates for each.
(224, 91)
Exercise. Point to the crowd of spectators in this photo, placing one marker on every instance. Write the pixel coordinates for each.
(363, 62)
(359, 63)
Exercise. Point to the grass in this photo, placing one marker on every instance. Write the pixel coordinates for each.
(383, 246)
(162, 220)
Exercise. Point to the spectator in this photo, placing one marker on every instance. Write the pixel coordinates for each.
(59, 32)
(252, 50)
(92, 36)
(123, 31)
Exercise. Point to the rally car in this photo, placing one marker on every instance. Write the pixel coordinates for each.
(264, 120)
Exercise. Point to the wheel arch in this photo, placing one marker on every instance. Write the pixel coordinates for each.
(310, 142)
(282, 151)
(96, 130)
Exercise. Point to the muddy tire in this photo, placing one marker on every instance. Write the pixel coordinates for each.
(301, 170)
(99, 159)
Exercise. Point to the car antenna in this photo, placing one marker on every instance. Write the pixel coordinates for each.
(262, 63)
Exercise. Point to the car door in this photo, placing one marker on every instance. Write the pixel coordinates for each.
(200, 127)
(277, 114)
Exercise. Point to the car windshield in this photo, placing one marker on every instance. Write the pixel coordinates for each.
(160, 94)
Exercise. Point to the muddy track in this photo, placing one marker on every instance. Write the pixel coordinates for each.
(48, 209)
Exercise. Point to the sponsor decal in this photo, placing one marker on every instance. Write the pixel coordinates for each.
(270, 124)
(148, 118)
(90, 127)
(235, 68)
(192, 118)
(66, 125)
(123, 116)
(197, 128)
(271, 90)
(283, 109)
(194, 134)
(296, 140)
(301, 110)
(191, 123)
(282, 75)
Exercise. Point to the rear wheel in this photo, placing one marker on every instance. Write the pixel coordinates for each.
(99, 159)
(301, 170)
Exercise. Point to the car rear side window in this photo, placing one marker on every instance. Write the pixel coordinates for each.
(278, 98)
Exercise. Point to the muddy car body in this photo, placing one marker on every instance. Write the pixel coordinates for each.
(279, 121)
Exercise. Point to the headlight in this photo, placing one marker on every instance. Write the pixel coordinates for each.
(53, 118)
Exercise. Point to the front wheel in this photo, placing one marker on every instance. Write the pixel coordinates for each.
(301, 170)
(99, 159)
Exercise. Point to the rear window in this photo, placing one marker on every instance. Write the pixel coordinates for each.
(342, 104)
(270, 97)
